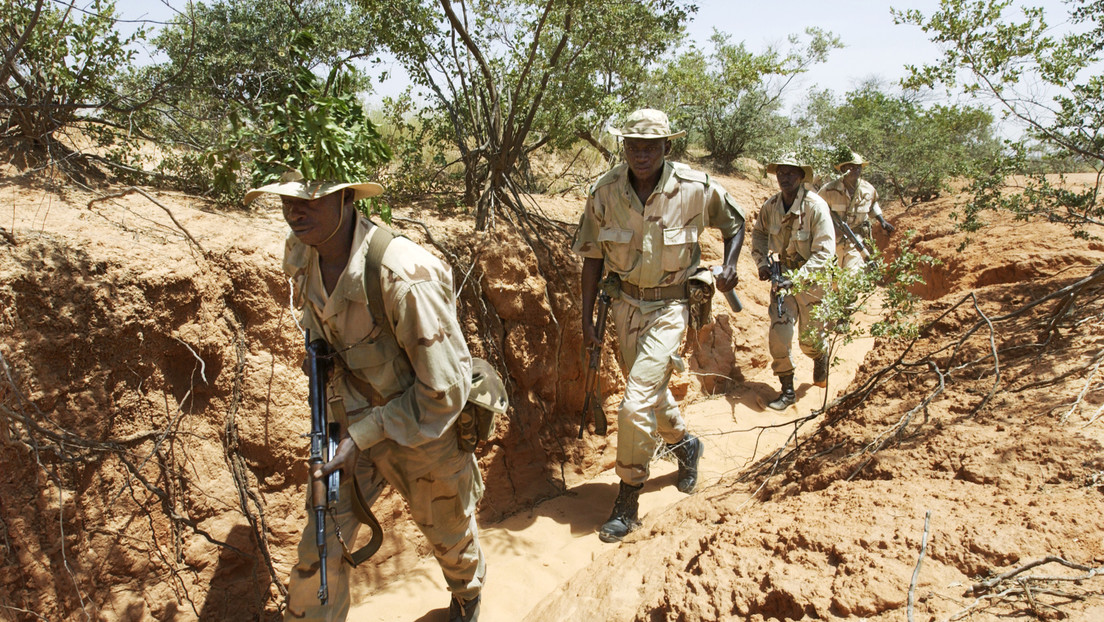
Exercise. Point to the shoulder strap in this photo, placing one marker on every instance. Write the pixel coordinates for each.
(377, 246)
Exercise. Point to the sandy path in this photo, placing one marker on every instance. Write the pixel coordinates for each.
(530, 554)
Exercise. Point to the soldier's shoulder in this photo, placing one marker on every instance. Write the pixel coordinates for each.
(608, 178)
(814, 199)
(832, 186)
(685, 173)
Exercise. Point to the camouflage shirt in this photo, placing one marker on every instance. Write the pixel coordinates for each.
(654, 244)
(856, 209)
(423, 373)
(803, 237)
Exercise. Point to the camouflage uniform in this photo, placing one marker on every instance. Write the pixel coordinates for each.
(648, 246)
(804, 240)
(855, 210)
(406, 437)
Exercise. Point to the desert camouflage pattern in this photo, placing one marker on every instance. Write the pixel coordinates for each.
(648, 343)
(855, 210)
(487, 399)
(442, 501)
(654, 244)
(402, 393)
(804, 239)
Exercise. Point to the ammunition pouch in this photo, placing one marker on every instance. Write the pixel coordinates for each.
(699, 289)
(486, 399)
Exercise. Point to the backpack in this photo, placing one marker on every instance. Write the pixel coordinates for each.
(487, 397)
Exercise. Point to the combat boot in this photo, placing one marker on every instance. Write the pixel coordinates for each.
(820, 371)
(688, 451)
(623, 519)
(788, 396)
(464, 611)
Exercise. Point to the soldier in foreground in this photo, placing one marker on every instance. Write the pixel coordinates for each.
(795, 226)
(642, 222)
(853, 200)
(396, 390)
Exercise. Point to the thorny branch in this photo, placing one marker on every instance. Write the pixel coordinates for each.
(1010, 584)
(944, 374)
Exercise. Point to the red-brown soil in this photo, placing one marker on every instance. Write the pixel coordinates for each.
(151, 406)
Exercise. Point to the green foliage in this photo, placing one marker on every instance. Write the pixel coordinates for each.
(61, 71)
(506, 78)
(316, 127)
(731, 98)
(884, 286)
(1050, 84)
(913, 150)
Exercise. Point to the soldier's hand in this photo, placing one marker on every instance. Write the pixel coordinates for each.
(728, 278)
(344, 458)
(590, 335)
(888, 228)
(764, 273)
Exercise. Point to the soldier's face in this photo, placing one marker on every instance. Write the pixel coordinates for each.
(645, 155)
(852, 172)
(789, 178)
(313, 220)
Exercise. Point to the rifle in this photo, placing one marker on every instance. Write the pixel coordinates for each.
(323, 445)
(594, 352)
(778, 291)
(844, 228)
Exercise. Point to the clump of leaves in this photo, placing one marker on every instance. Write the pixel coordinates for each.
(318, 128)
(883, 286)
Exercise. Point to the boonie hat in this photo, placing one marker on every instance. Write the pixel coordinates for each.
(855, 159)
(790, 159)
(646, 123)
(292, 184)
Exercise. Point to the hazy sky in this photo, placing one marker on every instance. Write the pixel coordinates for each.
(875, 46)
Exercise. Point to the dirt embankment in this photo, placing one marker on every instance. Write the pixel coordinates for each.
(943, 457)
(152, 405)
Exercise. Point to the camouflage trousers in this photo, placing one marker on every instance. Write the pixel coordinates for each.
(441, 485)
(850, 258)
(648, 351)
(795, 307)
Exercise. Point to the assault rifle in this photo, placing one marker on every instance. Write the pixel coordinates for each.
(323, 445)
(778, 283)
(593, 401)
(845, 229)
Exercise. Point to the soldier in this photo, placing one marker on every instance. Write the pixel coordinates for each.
(853, 200)
(406, 437)
(795, 225)
(643, 221)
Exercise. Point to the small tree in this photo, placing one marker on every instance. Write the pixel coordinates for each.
(884, 286)
(58, 72)
(731, 98)
(1049, 84)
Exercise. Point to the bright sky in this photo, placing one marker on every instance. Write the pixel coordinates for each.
(875, 46)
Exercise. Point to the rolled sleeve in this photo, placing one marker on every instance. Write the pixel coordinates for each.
(586, 238)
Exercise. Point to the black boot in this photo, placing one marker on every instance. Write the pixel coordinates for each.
(466, 611)
(688, 451)
(788, 395)
(820, 371)
(623, 519)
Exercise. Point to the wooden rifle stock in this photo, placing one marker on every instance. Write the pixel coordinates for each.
(593, 401)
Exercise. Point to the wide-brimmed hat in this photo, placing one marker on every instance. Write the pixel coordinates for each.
(855, 159)
(292, 184)
(646, 123)
(790, 159)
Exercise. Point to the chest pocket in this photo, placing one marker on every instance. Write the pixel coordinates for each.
(618, 248)
(381, 363)
(678, 247)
